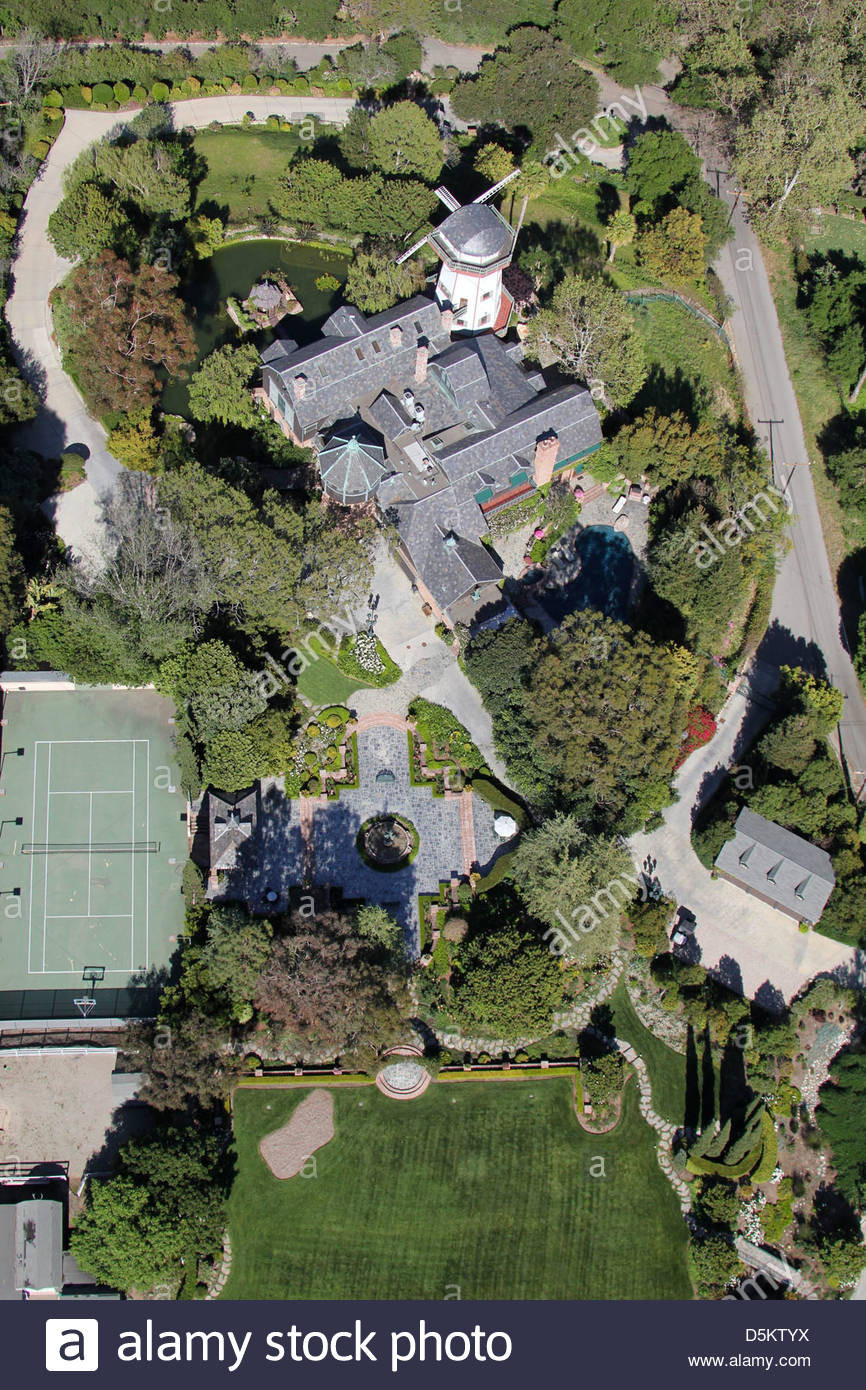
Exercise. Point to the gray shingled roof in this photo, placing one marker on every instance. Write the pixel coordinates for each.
(232, 824)
(31, 1246)
(569, 411)
(352, 463)
(770, 861)
(442, 537)
(475, 233)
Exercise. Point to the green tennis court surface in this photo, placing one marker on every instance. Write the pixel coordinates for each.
(92, 845)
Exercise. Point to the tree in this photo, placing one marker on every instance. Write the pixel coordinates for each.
(376, 925)
(221, 388)
(234, 759)
(375, 281)
(576, 885)
(493, 162)
(507, 981)
(533, 84)
(621, 229)
(205, 235)
(354, 136)
(135, 443)
(667, 449)
(146, 173)
(87, 222)
(841, 1102)
(843, 1258)
(11, 574)
(234, 955)
(716, 1264)
(31, 62)
(589, 330)
(718, 1203)
(330, 992)
(403, 140)
(705, 600)
(603, 716)
(215, 691)
(674, 249)
(128, 325)
(165, 1205)
(649, 922)
(660, 163)
(307, 191)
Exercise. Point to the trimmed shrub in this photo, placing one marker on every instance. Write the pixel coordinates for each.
(272, 123)
(139, 94)
(250, 83)
(770, 1152)
(300, 85)
(87, 94)
(98, 106)
(103, 93)
(52, 98)
(310, 758)
(160, 91)
(121, 92)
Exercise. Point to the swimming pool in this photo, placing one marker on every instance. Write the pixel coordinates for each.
(603, 580)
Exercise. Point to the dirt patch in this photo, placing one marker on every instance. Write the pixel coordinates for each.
(311, 1127)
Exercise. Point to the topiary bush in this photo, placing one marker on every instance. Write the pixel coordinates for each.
(250, 83)
(310, 758)
(103, 93)
(160, 91)
(52, 98)
(139, 94)
(272, 123)
(122, 93)
(87, 94)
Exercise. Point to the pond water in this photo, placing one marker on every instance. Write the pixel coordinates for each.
(604, 579)
(232, 271)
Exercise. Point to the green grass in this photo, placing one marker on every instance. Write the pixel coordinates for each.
(838, 234)
(322, 682)
(667, 1068)
(244, 168)
(689, 365)
(483, 1185)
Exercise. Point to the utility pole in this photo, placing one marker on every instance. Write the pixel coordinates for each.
(771, 423)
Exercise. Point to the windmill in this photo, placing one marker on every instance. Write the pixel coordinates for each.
(474, 244)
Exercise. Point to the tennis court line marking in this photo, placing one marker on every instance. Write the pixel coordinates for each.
(83, 916)
(46, 917)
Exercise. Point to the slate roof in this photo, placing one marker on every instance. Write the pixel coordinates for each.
(353, 464)
(356, 358)
(442, 538)
(773, 862)
(31, 1247)
(474, 234)
(232, 823)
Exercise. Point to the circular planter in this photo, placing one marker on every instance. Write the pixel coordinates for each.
(387, 842)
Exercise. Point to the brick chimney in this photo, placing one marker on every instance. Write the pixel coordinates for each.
(546, 452)
(396, 335)
(300, 384)
(421, 363)
(447, 320)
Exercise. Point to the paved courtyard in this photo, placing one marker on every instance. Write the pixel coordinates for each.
(447, 836)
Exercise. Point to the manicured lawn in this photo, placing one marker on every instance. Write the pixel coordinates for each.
(323, 683)
(667, 1068)
(484, 1185)
(244, 167)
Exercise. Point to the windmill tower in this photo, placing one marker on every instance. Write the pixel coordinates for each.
(474, 244)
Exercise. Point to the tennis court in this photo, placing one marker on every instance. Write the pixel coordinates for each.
(92, 845)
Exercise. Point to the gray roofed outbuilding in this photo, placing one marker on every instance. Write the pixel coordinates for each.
(31, 1247)
(777, 866)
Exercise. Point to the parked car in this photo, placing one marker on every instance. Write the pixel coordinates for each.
(683, 928)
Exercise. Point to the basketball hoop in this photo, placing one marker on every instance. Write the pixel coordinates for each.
(85, 1006)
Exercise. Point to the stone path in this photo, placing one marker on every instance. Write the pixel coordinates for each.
(467, 832)
(221, 1271)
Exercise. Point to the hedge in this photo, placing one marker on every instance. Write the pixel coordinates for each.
(770, 1154)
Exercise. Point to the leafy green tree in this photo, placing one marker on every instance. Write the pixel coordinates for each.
(86, 222)
(531, 183)
(674, 249)
(576, 885)
(375, 281)
(135, 442)
(354, 136)
(493, 162)
(704, 598)
(660, 163)
(627, 36)
(843, 1258)
(649, 923)
(404, 141)
(205, 235)
(667, 449)
(841, 1103)
(236, 758)
(589, 330)
(716, 1264)
(307, 191)
(724, 66)
(604, 713)
(533, 84)
(621, 229)
(234, 955)
(507, 981)
(376, 925)
(166, 1203)
(11, 574)
(220, 389)
(146, 174)
(718, 1203)
(215, 689)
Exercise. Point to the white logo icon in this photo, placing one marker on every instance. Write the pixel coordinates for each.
(71, 1344)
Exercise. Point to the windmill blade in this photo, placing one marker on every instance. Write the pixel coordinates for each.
(412, 249)
(491, 192)
(447, 198)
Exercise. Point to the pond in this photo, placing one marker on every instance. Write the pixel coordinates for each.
(603, 580)
(232, 271)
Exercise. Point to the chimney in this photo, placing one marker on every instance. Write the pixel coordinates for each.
(447, 320)
(300, 385)
(396, 335)
(421, 362)
(546, 451)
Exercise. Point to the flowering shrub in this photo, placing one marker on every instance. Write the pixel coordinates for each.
(367, 655)
(700, 728)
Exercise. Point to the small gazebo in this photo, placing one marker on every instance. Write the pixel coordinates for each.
(352, 463)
